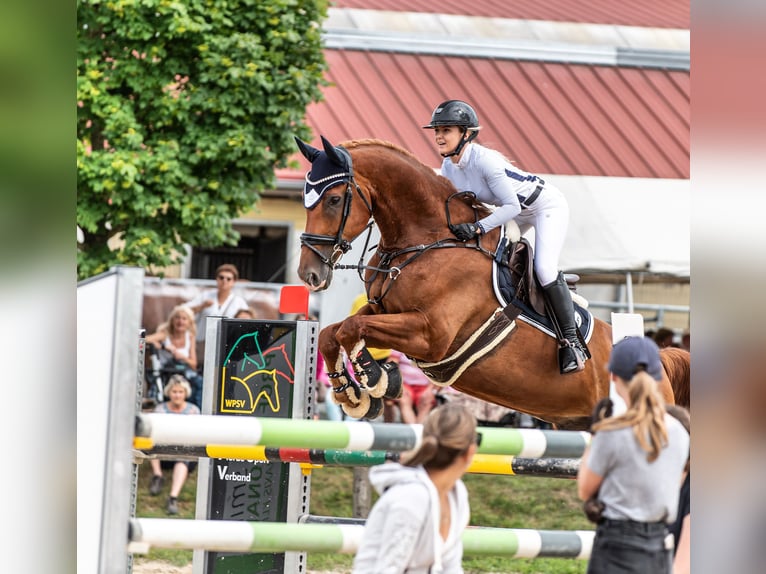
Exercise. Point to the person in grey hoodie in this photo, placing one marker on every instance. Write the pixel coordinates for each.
(416, 525)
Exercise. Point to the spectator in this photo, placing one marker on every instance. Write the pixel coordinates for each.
(248, 313)
(176, 337)
(486, 413)
(177, 391)
(324, 388)
(634, 463)
(681, 528)
(219, 303)
(417, 523)
(686, 341)
(664, 337)
(418, 392)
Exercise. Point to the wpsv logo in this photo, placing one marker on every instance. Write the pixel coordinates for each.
(253, 379)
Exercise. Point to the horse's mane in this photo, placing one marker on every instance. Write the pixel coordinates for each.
(350, 144)
(446, 185)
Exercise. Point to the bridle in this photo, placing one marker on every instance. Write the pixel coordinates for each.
(339, 244)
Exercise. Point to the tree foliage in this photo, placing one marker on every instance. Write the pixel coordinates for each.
(185, 108)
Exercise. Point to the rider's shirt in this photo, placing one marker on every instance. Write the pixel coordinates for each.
(495, 181)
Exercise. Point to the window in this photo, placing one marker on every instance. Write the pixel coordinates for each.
(260, 255)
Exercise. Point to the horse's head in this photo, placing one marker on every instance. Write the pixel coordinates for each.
(332, 222)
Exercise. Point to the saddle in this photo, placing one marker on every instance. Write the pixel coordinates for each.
(522, 296)
(524, 285)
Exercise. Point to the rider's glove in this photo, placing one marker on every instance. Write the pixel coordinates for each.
(465, 231)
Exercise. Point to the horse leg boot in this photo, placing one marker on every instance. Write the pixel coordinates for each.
(368, 371)
(571, 355)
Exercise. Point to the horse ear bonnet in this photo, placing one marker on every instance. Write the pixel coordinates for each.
(328, 168)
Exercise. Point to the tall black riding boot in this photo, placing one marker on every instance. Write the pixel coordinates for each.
(571, 355)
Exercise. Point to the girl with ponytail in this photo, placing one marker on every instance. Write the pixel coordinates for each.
(416, 525)
(634, 463)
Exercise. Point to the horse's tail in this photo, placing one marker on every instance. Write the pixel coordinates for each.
(677, 364)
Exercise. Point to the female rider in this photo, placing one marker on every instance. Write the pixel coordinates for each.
(518, 195)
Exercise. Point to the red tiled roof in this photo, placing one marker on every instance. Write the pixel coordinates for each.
(649, 13)
(548, 118)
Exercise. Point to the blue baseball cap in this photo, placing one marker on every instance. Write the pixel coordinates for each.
(634, 354)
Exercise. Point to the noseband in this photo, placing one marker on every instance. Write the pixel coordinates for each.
(339, 244)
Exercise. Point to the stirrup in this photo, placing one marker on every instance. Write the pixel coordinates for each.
(571, 359)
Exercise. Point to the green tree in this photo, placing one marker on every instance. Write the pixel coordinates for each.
(185, 108)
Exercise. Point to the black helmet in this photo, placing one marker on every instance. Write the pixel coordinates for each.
(454, 113)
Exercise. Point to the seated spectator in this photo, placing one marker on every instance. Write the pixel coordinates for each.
(176, 338)
(177, 391)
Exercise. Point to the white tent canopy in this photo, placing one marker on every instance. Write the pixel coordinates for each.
(621, 225)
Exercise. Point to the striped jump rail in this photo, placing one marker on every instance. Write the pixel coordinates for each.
(482, 463)
(168, 429)
(275, 537)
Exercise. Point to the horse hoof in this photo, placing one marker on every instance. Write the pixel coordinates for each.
(394, 386)
(349, 396)
(366, 407)
(380, 388)
(375, 410)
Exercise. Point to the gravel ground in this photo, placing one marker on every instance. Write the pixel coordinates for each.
(157, 567)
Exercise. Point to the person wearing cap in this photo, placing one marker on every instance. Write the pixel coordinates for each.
(634, 464)
(518, 195)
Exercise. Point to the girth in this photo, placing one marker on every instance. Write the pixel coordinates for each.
(444, 373)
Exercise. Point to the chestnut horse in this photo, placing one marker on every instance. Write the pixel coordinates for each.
(428, 293)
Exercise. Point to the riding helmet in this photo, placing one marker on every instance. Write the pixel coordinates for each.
(454, 113)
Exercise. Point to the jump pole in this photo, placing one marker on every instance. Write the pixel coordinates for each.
(168, 429)
(316, 458)
(275, 537)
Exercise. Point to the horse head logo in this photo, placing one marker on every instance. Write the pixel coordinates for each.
(328, 169)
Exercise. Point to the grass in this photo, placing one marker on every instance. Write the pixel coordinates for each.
(499, 501)
(148, 506)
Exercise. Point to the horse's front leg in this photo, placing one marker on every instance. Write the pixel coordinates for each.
(354, 401)
(410, 333)
(332, 354)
